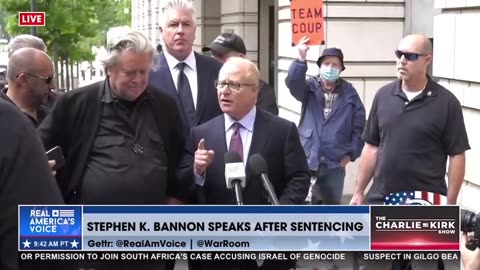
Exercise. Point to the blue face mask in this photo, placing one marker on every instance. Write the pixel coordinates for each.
(329, 73)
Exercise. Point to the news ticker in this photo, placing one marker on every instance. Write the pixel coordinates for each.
(201, 256)
(234, 228)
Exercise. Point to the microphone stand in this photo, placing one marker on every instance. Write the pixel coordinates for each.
(238, 192)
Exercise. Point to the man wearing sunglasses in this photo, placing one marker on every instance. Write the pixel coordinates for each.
(29, 41)
(30, 81)
(227, 45)
(414, 125)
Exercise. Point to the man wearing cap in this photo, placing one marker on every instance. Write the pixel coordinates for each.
(331, 123)
(227, 45)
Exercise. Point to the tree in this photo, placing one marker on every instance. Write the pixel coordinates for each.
(3, 23)
(72, 26)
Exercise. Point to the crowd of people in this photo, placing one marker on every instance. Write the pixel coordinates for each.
(156, 130)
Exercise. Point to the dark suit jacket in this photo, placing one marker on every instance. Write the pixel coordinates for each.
(266, 98)
(285, 159)
(73, 123)
(207, 73)
(25, 178)
(282, 152)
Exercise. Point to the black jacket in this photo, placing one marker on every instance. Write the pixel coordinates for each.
(207, 73)
(25, 178)
(73, 122)
(266, 98)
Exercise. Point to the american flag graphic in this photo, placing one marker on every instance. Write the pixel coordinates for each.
(415, 198)
(67, 213)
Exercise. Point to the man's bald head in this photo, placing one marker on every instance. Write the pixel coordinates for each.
(239, 64)
(237, 87)
(419, 42)
(28, 60)
(414, 55)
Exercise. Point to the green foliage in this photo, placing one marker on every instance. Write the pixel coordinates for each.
(74, 26)
(3, 23)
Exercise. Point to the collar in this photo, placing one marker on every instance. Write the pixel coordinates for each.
(107, 93)
(427, 92)
(172, 62)
(247, 121)
(109, 97)
(3, 94)
(41, 112)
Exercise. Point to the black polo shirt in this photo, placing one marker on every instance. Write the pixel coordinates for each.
(41, 112)
(414, 139)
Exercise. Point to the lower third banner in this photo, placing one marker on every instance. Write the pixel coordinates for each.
(194, 228)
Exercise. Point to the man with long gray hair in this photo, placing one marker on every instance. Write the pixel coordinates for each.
(121, 138)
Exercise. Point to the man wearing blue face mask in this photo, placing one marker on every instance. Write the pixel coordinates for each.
(331, 123)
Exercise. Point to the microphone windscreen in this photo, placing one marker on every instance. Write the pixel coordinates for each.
(258, 164)
(232, 157)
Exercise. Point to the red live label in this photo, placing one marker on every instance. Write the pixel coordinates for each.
(31, 18)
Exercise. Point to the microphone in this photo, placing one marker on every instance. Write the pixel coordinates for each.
(235, 174)
(259, 167)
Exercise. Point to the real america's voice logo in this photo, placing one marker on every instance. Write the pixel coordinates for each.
(50, 228)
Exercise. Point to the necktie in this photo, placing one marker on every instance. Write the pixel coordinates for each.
(236, 140)
(185, 95)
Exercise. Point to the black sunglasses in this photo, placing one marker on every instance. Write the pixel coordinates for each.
(47, 80)
(408, 55)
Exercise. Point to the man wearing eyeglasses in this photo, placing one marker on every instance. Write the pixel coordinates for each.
(30, 81)
(244, 129)
(227, 45)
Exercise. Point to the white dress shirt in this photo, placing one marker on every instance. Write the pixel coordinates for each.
(246, 133)
(190, 71)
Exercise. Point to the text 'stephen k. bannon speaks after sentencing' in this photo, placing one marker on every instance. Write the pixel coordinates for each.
(166, 232)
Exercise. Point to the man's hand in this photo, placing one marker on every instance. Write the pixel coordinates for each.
(203, 158)
(174, 201)
(303, 48)
(52, 163)
(470, 259)
(345, 160)
(357, 199)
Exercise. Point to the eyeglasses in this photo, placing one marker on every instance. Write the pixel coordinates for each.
(408, 55)
(231, 85)
(47, 80)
